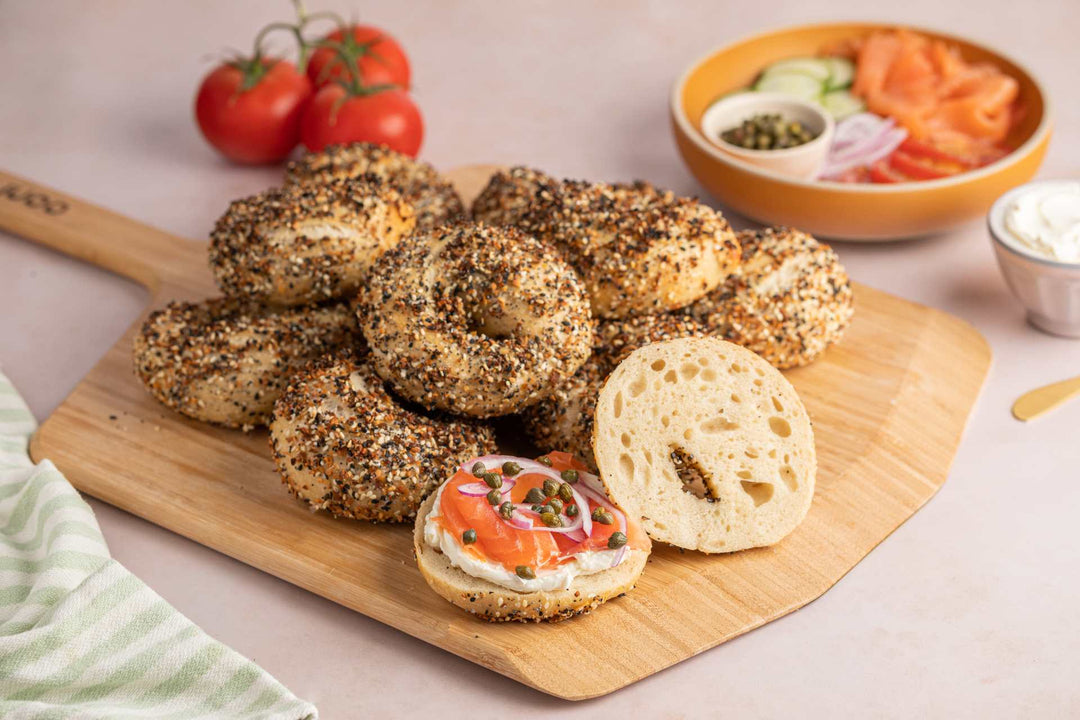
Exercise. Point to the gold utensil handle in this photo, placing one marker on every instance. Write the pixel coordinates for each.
(1033, 404)
(99, 236)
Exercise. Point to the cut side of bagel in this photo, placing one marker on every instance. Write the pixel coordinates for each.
(707, 443)
(495, 603)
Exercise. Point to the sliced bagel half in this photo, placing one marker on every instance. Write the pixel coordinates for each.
(706, 443)
(495, 603)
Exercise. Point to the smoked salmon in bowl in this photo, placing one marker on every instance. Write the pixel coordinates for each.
(930, 128)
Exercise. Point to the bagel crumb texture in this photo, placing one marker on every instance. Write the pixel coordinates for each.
(564, 420)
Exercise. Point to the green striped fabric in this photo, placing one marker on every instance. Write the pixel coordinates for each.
(80, 636)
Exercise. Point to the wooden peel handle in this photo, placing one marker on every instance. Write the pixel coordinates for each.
(77, 228)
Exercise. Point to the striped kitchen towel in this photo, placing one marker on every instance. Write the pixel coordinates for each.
(80, 636)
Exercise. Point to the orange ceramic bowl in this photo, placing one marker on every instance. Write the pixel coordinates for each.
(847, 211)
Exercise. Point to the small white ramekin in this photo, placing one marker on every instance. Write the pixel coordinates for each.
(802, 161)
(1048, 289)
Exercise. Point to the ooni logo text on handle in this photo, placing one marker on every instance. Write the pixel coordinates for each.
(33, 200)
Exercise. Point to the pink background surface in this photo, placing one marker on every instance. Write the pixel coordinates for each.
(968, 610)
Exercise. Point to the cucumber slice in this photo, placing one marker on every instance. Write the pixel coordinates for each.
(841, 103)
(817, 69)
(841, 72)
(795, 84)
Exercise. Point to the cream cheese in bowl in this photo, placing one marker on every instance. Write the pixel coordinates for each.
(1036, 233)
(1044, 219)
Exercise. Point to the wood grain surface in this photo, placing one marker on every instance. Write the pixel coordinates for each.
(889, 405)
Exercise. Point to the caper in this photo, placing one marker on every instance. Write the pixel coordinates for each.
(478, 469)
(566, 493)
(551, 519)
(550, 487)
(602, 516)
(537, 508)
(510, 468)
(545, 460)
(525, 572)
(534, 496)
(545, 508)
(617, 540)
(507, 510)
(768, 131)
(570, 475)
(468, 537)
(571, 511)
(493, 480)
(494, 497)
(556, 505)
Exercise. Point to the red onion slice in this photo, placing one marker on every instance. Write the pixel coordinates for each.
(578, 535)
(861, 140)
(618, 556)
(481, 489)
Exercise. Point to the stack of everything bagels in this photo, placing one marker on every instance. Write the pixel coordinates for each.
(378, 327)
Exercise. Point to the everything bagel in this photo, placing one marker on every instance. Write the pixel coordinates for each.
(306, 243)
(475, 320)
(431, 195)
(640, 250)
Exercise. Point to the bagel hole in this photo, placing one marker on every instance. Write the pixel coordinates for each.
(689, 371)
(735, 398)
(780, 426)
(617, 410)
(637, 387)
(708, 374)
(671, 377)
(665, 421)
(495, 325)
(751, 453)
(625, 440)
(737, 368)
(787, 474)
(658, 365)
(718, 425)
(688, 433)
(776, 404)
(626, 466)
(757, 381)
(692, 476)
(745, 475)
(760, 493)
(648, 457)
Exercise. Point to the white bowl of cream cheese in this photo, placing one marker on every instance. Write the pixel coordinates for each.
(1036, 233)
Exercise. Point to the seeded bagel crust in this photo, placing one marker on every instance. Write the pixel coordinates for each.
(639, 250)
(707, 443)
(306, 243)
(432, 196)
(346, 446)
(790, 300)
(475, 320)
(495, 603)
(225, 361)
(511, 194)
